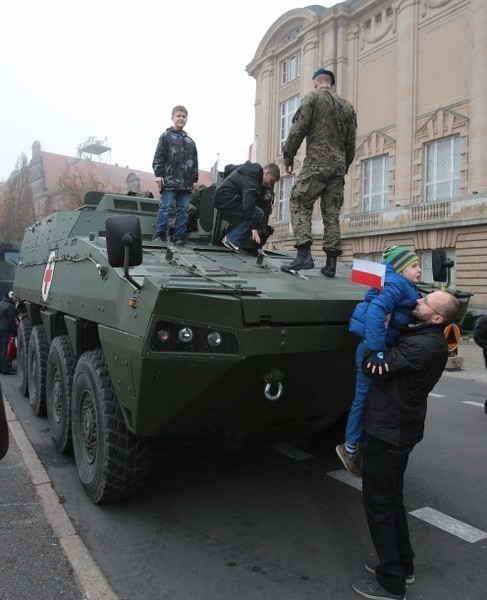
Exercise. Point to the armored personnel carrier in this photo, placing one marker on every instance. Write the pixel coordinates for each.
(124, 340)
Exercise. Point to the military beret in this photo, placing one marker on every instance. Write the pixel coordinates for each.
(324, 72)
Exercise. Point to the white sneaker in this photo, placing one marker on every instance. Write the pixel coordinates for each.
(230, 245)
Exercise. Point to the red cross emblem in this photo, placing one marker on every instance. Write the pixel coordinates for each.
(48, 275)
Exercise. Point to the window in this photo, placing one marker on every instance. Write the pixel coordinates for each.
(442, 169)
(373, 256)
(378, 18)
(375, 183)
(285, 185)
(288, 108)
(427, 268)
(290, 68)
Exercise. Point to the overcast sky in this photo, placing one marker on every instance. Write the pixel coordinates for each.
(115, 68)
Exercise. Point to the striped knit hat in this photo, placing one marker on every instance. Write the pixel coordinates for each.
(399, 258)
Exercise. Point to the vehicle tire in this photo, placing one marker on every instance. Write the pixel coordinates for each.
(23, 336)
(112, 462)
(61, 363)
(36, 364)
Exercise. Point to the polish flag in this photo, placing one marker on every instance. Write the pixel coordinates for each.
(367, 272)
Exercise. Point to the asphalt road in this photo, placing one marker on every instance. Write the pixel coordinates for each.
(273, 524)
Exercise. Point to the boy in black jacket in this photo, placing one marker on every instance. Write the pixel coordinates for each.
(238, 196)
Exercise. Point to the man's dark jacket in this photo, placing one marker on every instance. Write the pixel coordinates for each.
(397, 401)
(176, 160)
(242, 188)
(7, 315)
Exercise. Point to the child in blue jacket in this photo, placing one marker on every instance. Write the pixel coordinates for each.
(377, 321)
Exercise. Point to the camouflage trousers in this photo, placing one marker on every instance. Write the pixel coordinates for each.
(328, 186)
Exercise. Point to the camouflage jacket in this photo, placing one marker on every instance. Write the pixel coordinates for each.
(329, 124)
(176, 160)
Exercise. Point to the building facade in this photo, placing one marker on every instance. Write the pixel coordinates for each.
(416, 72)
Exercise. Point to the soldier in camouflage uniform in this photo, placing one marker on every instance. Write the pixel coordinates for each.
(328, 122)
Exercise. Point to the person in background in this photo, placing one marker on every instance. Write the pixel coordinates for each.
(238, 197)
(377, 321)
(480, 337)
(4, 441)
(175, 168)
(7, 327)
(329, 123)
(393, 423)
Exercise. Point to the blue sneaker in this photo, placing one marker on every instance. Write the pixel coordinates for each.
(371, 588)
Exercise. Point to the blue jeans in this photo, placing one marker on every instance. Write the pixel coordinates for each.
(168, 199)
(353, 432)
(239, 234)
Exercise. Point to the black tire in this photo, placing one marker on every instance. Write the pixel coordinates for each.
(36, 364)
(61, 363)
(23, 337)
(112, 463)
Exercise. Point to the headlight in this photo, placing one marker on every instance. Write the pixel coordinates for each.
(185, 335)
(174, 337)
(214, 339)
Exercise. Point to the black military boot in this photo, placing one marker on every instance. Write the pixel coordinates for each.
(330, 267)
(303, 260)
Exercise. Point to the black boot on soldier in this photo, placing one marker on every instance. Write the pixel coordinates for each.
(303, 260)
(330, 267)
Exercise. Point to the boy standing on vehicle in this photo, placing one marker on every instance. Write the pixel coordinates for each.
(175, 166)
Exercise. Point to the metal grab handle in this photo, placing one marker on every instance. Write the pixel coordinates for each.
(277, 395)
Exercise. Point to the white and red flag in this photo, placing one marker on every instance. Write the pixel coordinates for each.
(367, 272)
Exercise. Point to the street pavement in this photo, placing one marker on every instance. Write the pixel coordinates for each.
(41, 555)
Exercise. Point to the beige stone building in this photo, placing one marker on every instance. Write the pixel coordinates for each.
(416, 72)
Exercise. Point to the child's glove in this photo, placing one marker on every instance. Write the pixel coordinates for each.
(377, 361)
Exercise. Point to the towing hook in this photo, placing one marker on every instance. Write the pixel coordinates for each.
(277, 395)
(273, 380)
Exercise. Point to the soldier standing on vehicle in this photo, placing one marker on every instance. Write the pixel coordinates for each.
(175, 166)
(328, 122)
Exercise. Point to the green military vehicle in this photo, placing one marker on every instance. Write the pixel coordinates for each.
(124, 340)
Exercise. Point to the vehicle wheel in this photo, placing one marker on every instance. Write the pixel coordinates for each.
(23, 336)
(36, 363)
(112, 463)
(61, 363)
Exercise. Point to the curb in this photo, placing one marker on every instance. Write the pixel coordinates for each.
(93, 582)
